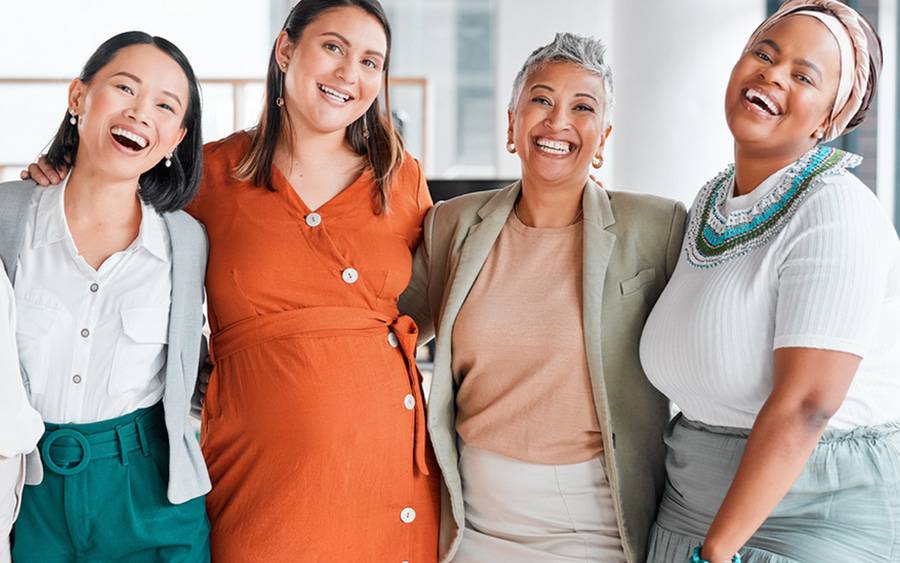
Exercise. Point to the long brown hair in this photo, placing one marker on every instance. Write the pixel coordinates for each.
(383, 149)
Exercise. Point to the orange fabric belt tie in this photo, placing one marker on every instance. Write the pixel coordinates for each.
(325, 321)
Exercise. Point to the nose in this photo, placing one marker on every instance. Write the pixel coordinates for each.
(137, 112)
(557, 119)
(346, 71)
(774, 74)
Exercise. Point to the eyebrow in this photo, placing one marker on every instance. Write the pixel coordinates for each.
(139, 81)
(802, 62)
(578, 95)
(347, 41)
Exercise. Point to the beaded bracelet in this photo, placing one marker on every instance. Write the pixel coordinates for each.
(695, 557)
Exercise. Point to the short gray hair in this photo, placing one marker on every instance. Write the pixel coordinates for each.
(586, 52)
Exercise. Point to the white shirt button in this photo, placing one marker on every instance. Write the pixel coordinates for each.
(393, 340)
(407, 515)
(313, 219)
(409, 402)
(350, 275)
(76, 379)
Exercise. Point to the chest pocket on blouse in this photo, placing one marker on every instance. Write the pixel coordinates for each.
(33, 326)
(141, 348)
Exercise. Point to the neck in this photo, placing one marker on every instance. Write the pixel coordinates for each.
(301, 144)
(752, 167)
(547, 207)
(95, 198)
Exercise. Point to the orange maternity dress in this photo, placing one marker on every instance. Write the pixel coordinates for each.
(313, 424)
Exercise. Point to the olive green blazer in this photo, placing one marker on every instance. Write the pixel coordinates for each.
(631, 246)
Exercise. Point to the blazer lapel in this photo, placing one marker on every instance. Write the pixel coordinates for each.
(479, 241)
(598, 249)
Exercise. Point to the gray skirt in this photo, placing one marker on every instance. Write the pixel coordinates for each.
(844, 507)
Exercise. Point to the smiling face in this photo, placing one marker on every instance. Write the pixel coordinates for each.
(334, 72)
(557, 124)
(782, 89)
(131, 114)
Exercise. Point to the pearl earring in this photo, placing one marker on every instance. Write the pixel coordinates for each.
(511, 147)
(597, 161)
(169, 160)
(73, 120)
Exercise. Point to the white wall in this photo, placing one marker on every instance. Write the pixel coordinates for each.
(671, 62)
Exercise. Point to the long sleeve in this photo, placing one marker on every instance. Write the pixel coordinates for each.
(20, 425)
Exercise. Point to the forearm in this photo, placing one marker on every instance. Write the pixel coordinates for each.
(778, 448)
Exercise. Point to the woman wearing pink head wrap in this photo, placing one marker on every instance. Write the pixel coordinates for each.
(778, 335)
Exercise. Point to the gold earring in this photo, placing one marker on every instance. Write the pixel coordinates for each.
(511, 147)
(279, 101)
(597, 162)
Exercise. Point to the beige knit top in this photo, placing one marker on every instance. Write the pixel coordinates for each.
(519, 354)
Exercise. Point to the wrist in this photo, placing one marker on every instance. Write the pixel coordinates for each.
(704, 554)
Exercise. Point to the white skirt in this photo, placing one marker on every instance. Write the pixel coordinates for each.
(524, 512)
(12, 479)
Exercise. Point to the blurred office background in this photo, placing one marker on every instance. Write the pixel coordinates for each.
(454, 62)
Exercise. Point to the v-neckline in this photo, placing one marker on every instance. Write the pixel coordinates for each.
(292, 196)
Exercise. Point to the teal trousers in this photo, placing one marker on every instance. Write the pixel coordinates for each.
(103, 498)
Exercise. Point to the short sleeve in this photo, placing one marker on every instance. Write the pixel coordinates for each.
(423, 202)
(833, 274)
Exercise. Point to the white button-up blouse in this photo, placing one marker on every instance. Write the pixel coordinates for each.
(92, 343)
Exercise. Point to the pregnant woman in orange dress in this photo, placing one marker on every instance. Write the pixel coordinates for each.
(313, 423)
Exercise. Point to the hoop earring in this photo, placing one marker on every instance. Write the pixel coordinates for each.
(73, 119)
(279, 101)
(511, 147)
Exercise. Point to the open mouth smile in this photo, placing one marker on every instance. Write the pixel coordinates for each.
(553, 146)
(760, 100)
(129, 139)
(334, 94)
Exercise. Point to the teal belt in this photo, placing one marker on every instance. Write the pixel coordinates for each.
(68, 451)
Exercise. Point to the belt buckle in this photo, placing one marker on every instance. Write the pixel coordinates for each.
(66, 433)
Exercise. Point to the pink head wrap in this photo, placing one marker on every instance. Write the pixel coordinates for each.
(854, 37)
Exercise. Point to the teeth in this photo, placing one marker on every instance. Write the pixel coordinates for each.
(550, 145)
(142, 142)
(753, 93)
(334, 93)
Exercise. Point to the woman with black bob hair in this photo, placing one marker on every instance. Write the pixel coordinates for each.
(108, 279)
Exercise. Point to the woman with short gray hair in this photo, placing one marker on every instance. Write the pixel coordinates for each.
(546, 430)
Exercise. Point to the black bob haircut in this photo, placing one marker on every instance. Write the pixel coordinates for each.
(165, 188)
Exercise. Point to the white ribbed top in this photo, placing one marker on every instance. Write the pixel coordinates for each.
(829, 280)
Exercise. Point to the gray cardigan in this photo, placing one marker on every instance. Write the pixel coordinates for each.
(188, 477)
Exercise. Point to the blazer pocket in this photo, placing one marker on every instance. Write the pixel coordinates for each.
(34, 324)
(638, 282)
(140, 349)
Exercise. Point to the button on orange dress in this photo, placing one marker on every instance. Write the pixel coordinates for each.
(313, 424)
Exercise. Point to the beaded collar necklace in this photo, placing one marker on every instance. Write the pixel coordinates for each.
(715, 236)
